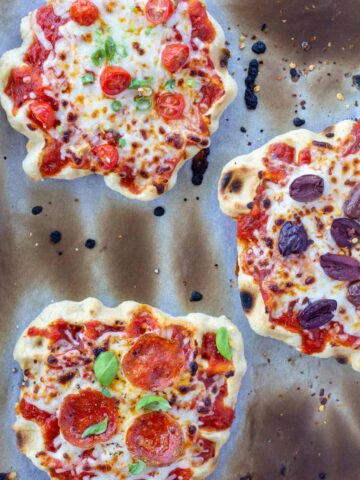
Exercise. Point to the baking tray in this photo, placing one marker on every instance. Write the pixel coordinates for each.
(283, 427)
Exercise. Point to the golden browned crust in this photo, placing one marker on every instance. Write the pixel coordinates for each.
(237, 188)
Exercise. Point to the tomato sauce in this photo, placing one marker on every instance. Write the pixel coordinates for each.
(353, 143)
(46, 421)
(141, 323)
(50, 23)
(23, 81)
(37, 54)
(211, 92)
(180, 473)
(315, 341)
(95, 329)
(217, 364)
(51, 161)
(59, 330)
(221, 416)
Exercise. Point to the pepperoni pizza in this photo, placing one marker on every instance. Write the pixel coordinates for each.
(126, 392)
(128, 90)
(296, 201)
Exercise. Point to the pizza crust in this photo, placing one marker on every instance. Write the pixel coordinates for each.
(36, 139)
(237, 188)
(28, 349)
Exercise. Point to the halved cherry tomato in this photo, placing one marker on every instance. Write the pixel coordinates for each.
(158, 11)
(43, 114)
(175, 56)
(114, 80)
(84, 12)
(108, 156)
(170, 106)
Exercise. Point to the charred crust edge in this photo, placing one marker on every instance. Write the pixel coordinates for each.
(247, 300)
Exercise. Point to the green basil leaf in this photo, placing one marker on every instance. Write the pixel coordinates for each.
(106, 367)
(106, 392)
(137, 468)
(153, 402)
(98, 57)
(110, 48)
(122, 142)
(223, 344)
(169, 85)
(96, 429)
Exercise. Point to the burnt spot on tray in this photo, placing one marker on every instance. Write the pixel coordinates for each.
(247, 300)
(199, 166)
(251, 99)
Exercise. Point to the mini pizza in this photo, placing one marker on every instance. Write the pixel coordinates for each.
(125, 89)
(126, 392)
(296, 201)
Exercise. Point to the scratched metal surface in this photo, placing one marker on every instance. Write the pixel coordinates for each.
(279, 432)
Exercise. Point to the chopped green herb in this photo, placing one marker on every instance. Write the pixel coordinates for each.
(106, 367)
(96, 429)
(137, 468)
(122, 51)
(170, 84)
(190, 83)
(143, 104)
(116, 105)
(60, 129)
(98, 57)
(106, 392)
(141, 83)
(148, 31)
(153, 402)
(88, 78)
(122, 142)
(223, 344)
(110, 48)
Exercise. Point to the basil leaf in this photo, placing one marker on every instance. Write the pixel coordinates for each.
(106, 393)
(222, 343)
(137, 468)
(96, 429)
(153, 402)
(98, 57)
(106, 367)
(110, 48)
(169, 85)
(116, 106)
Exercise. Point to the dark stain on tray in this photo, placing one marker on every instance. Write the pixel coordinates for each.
(199, 166)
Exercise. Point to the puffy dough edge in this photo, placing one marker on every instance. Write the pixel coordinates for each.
(36, 142)
(237, 187)
(28, 434)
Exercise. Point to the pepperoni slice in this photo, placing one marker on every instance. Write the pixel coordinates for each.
(158, 11)
(153, 362)
(170, 106)
(108, 156)
(84, 12)
(175, 56)
(23, 81)
(155, 438)
(114, 80)
(81, 410)
(142, 323)
(43, 114)
(202, 27)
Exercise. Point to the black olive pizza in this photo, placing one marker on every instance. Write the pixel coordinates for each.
(296, 202)
(128, 90)
(126, 392)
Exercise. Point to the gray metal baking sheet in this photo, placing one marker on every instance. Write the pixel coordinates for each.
(281, 432)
